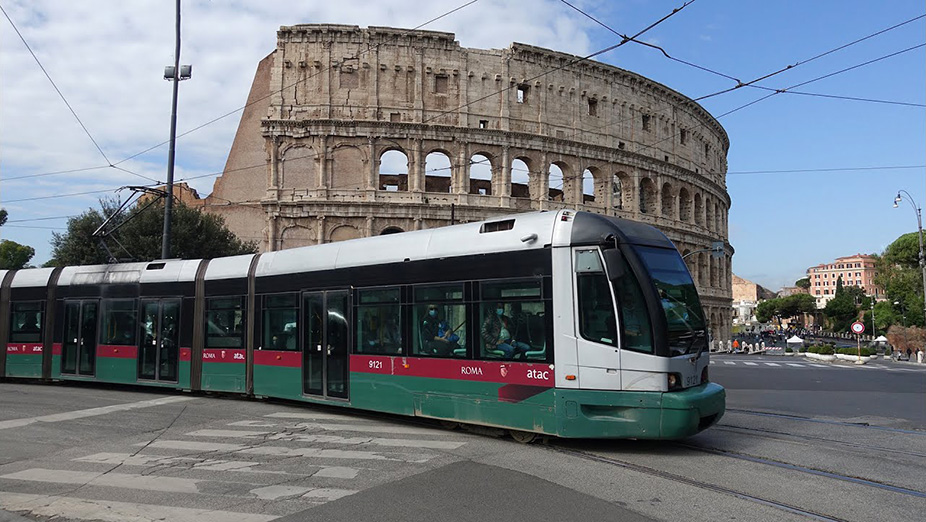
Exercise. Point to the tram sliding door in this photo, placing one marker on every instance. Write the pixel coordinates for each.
(78, 352)
(159, 352)
(325, 343)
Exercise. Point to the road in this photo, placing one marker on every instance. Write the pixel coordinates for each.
(784, 451)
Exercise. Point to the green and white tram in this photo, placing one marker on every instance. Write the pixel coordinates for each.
(557, 323)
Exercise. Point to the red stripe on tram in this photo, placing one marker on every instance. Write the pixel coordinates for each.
(509, 372)
(117, 351)
(186, 354)
(289, 359)
(24, 348)
(223, 355)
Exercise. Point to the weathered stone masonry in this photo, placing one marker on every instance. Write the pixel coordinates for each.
(332, 100)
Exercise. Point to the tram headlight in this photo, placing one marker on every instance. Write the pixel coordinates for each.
(675, 381)
(704, 378)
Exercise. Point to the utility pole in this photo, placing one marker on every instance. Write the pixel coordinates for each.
(174, 74)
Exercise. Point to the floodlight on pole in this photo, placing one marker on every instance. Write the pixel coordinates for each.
(901, 195)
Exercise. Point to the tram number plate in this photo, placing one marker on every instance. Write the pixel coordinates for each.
(691, 380)
(376, 365)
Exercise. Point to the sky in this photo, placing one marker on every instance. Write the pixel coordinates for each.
(812, 171)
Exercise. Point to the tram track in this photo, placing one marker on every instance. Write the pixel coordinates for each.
(639, 468)
(862, 425)
(790, 437)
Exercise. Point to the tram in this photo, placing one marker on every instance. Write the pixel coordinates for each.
(565, 323)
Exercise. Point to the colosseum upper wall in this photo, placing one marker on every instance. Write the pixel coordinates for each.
(352, 132)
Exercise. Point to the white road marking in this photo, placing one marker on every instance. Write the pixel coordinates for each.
(280, 451)
(772, 364)
(328, 493)
(795, 365)
(228, 433)
(369, 428)
(330, 439)
(750, 363)
(729, 362)
(192, 446)
(53, 507)
(253, 424)
(337, 472)
(276, 492)
(818, 365)
(92, 412)
(114, 480)
(308, 416)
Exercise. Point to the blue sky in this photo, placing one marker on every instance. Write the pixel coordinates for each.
(811, 177)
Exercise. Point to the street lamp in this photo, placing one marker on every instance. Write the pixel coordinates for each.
(919, 236)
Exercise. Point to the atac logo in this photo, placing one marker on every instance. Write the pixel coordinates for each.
(504, 371)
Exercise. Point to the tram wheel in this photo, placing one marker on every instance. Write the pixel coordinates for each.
(524, 437)
(449, 425)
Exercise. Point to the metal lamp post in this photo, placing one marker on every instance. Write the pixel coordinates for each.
(174, 73)
(919, 236)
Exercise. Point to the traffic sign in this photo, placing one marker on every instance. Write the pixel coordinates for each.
(858, 327)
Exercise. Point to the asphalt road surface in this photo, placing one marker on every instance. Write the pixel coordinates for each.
(789, 448)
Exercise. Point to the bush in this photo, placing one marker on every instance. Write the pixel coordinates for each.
(865, 352)
(821, 349)
(787, 349)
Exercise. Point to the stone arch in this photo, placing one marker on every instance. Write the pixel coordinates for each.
(559, 173)
(521, 177)
(393, 170)
(698, 209)
(617, 192)
(349, 165)
(588, 186)
(625, 201)
(481, 168)
(297, 236)
(684, 205)
(647, 196)
(297, 168)
(702, 270)
(343, 233)
(709, 218)
(438, 171)
(391, 229)
(668, 201)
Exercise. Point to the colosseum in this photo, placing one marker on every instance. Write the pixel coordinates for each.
(352, 132)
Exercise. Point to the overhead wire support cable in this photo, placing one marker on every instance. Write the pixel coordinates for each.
(60, 94)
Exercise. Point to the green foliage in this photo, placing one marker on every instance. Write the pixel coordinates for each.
(3, 216)
(898, 273)
(843, 309)
(821, 349)
(785, 307)
(194, 235)
(854, 351)
(803, 283)
(14, 256)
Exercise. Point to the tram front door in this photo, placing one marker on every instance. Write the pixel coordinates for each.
(78, 352)
(159, 352)
(325, 343)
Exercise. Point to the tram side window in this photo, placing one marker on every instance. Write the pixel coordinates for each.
(635, 322)
(225, 322)
(514, 320)
(596, 309)
(26, 322)
(118, 326)
(379, 320)
(280, 326)
(440, 321)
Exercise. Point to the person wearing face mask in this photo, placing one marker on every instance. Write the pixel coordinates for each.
(439, 338)
(496, 334)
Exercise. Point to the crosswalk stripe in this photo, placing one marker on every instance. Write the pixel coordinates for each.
(729, 362)
(282, 451)
(115, 480)
(747, 363)
(111, 511)
(795, 365)
(772, 364)
(92, 412)
(371, 428)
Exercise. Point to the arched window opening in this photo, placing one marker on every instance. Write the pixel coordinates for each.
(520, 179)
(647, 196)
(437, 173)
(588, 187)
(710, 214)
(557, 181)
(668, 201)
(480, 175)
(698, 210)
(617, 192)
(684, 205)
(391, 230)
(393, 171)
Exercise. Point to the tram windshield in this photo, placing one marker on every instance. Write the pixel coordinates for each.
(680, 302)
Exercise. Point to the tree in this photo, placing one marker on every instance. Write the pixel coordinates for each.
(843, 309)
(194, 235)
(14, 256)
(2, 216)
(785, 307)
(803, 283)
(898, 273)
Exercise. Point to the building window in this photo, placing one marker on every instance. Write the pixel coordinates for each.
(683, 136)
(646, 122)
(522, 93)
(348, 79)
(592, 107)
(483, 124)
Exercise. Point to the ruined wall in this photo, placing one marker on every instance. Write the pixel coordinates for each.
(366, 131)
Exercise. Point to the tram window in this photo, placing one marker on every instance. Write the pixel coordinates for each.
(513, 320)
(225, 322)
(440, 321)
(26, 322)
(635, 323)
(118, 327)
(596, 309)
(280, 322)
(379, 313)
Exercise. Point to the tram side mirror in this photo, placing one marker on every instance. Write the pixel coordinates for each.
(615, 262)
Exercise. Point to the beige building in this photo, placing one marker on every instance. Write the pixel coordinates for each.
(351, 132)
(858, 270)
(746, 297)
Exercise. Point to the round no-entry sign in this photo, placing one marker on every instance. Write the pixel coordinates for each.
(858, 327)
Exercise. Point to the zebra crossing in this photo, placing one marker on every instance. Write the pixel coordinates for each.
(283, 463)
(722, 362)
